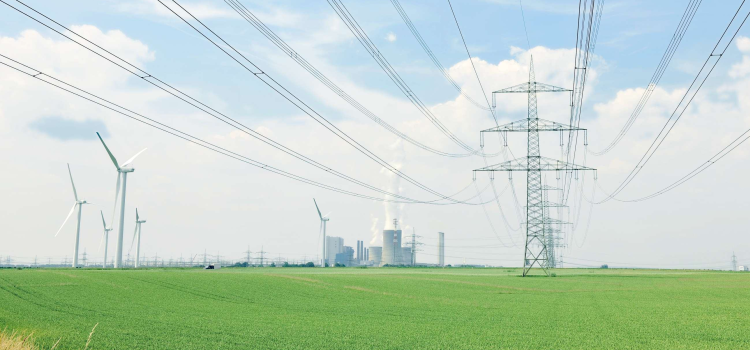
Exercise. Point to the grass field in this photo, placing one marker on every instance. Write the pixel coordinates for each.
(349, 308)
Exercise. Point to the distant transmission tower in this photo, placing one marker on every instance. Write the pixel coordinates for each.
(262, 255)
(535, 251)
(552, 228)
(734, 262)
(248, 256)
(414, 245)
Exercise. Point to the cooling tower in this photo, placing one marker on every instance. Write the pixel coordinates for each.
(375, 255)
(391, 247)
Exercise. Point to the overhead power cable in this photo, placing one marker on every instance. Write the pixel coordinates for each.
(471, 60)
(370, 47)
(444, 71)
(682, 27)
(253, 20)
(62, 85)
(589, 19)
(153, 80)
(682, 106)
(293, 99)
(492, 183)
(695, 172)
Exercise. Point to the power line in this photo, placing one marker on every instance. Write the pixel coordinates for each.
(370, 47)
(523, 17)
(39, 75)
(194, 102)
(586, 35)
(484, 94)
(662, 135)
(289, 96)
(294, 55)
(444, 71)
(695, 172)
(682, 27)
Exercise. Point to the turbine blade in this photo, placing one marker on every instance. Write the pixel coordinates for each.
(66, 218)
(104, 223)
(117, 195)
(316, 207)
(133, 158)
(111, 156)
(133, 241)
(101, 240)
(136, 214)
(327, 215)
(75, 194)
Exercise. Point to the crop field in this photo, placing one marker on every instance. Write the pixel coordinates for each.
(350, 308)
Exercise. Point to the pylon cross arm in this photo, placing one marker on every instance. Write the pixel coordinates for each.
(528, 87)
(530, 163)
(540, 125)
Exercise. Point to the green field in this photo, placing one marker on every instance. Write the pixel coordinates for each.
(350, 308)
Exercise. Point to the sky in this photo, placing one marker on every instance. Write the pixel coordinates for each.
(196, 200)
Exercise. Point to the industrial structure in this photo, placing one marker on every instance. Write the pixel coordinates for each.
(441, 249)
(536, 246)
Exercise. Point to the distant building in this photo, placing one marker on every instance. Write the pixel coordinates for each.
(391, 247)
(742, 268)
(346, 257)
(334, 245)
(375, 255)
(361, 251)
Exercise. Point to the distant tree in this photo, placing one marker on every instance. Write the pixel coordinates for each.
(605, 266)
(286, 264)
(273, 264)
(310, 264)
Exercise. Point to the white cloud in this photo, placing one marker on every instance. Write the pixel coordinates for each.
(390, 37)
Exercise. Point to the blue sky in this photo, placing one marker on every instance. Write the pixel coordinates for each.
(186, 192)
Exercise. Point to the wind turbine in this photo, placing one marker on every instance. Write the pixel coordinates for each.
(122, 171)
(323, 221)
(78, 203)
(137, 232)
(106, 239)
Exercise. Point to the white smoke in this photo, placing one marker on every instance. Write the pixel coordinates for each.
(394, 210)
(375, 231)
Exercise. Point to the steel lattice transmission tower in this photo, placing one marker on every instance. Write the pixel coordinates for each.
(535, 250)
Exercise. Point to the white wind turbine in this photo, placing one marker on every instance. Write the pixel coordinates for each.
(137, 233)
(78, 203)
(106, 239)
(122, 171)
(323, 221)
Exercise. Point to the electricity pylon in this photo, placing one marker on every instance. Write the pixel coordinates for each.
(552, 232)
(535, 251)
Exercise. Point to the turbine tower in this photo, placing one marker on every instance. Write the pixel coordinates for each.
(106, 239)
(122, 171)
(535, 251)
(78, 203)
(323, 221)
(137, 233)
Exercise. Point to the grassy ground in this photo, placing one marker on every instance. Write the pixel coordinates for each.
(349, 308)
